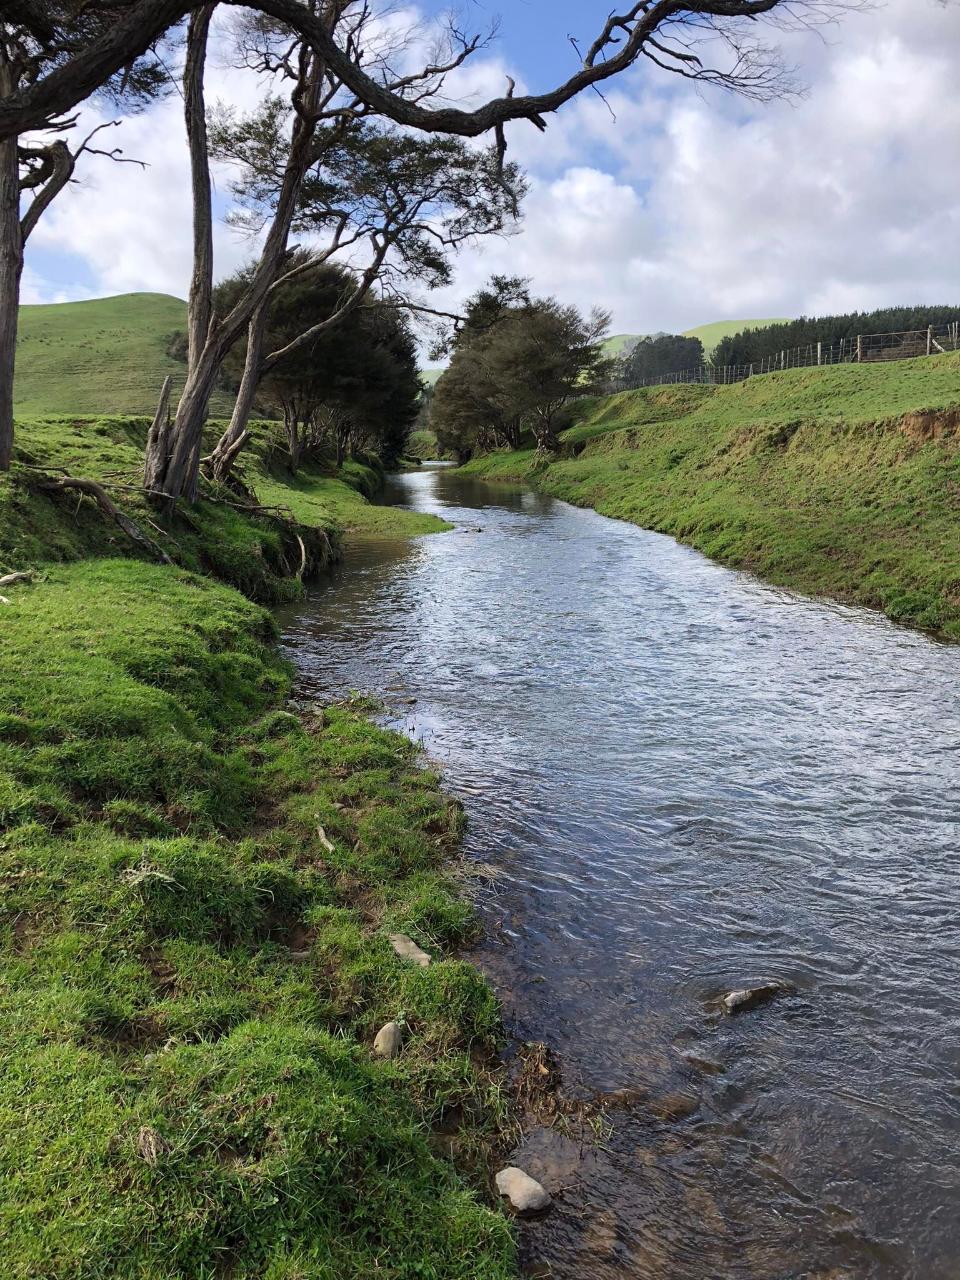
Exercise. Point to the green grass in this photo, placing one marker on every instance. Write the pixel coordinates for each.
(711, 334)
(619, 344)
(198, 885)
(257, 556)
(842, 482)
(190, 979)
(106, 356)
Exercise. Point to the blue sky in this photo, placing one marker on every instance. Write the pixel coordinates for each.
(689, 207)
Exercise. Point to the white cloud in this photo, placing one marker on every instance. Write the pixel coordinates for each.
(685, 209)
(849, 199)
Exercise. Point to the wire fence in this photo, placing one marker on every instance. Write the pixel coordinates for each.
(865, 348)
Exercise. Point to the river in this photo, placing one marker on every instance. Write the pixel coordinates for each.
(686, 781)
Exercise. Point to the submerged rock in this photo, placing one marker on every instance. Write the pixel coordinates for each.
(525, 1194)
(407, 949)
(388, 1040)
(749, 997)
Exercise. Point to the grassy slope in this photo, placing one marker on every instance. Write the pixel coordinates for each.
(211, 538)
(711, 334)
(833, 482)
(104, 356)
(190, 973)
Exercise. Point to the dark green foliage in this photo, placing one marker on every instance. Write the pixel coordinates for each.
(754, 345)
(653, 357)
(514, 367)
(354, 385)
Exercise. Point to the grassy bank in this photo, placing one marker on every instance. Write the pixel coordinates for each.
(258, 556)
(842, 482)
(198, 888)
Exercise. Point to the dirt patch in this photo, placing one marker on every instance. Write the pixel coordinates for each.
(930, 424)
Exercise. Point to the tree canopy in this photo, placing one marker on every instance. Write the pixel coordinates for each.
(353, 385)
(513, 369)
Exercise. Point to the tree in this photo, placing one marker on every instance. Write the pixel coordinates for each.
(355, 383)
(110, 35)
(317, 165)
(517, 375)
(666, 32)
(653, 357)
(410, 201)
(34, 39)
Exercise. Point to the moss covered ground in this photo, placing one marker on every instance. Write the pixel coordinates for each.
(841, 482)
(198, 885)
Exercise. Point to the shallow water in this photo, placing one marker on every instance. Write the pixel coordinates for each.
(686, 781)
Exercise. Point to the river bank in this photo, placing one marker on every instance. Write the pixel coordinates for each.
(839, 482)
(200, 880)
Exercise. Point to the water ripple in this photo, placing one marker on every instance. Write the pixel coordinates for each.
(687, 781)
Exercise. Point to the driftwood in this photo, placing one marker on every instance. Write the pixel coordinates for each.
(109, 508)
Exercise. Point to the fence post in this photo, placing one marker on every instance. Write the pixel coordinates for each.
(929, 339)
(859, 347)
(819, 353)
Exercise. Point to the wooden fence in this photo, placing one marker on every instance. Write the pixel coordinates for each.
(865, 348)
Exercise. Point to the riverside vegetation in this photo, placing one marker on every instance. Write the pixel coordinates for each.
(198, 889)
(842, 482)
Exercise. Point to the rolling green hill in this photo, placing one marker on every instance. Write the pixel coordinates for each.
(711, 334)
(107, 356)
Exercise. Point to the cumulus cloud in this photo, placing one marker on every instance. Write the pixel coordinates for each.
(681, 210)
(688, 208)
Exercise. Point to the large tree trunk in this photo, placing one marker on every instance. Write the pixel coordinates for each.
(233, 439)
(210, 338)
(11, 270)
(168, 468)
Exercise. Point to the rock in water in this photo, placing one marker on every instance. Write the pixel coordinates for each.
(407, 949)
(749, 997)
(388, 1041)
(524, 1193)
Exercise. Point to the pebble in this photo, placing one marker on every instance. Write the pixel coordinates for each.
(524, 1193)
(407, 949)
(388, 1040)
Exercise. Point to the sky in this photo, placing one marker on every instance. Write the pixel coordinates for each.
(668, 206)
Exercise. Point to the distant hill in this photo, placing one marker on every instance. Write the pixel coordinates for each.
(110, 355)
(709, 335)
(107, 356)
(618, 344)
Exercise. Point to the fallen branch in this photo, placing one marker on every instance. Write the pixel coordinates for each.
(303, 559)
(109, 508)
(9, 579)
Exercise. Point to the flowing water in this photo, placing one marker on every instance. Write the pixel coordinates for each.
(688, 781)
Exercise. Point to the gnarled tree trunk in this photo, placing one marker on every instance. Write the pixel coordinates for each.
(210, 337)
(236, 435)
(11, 269)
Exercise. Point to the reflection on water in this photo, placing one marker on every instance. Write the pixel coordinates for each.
(688, 780)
